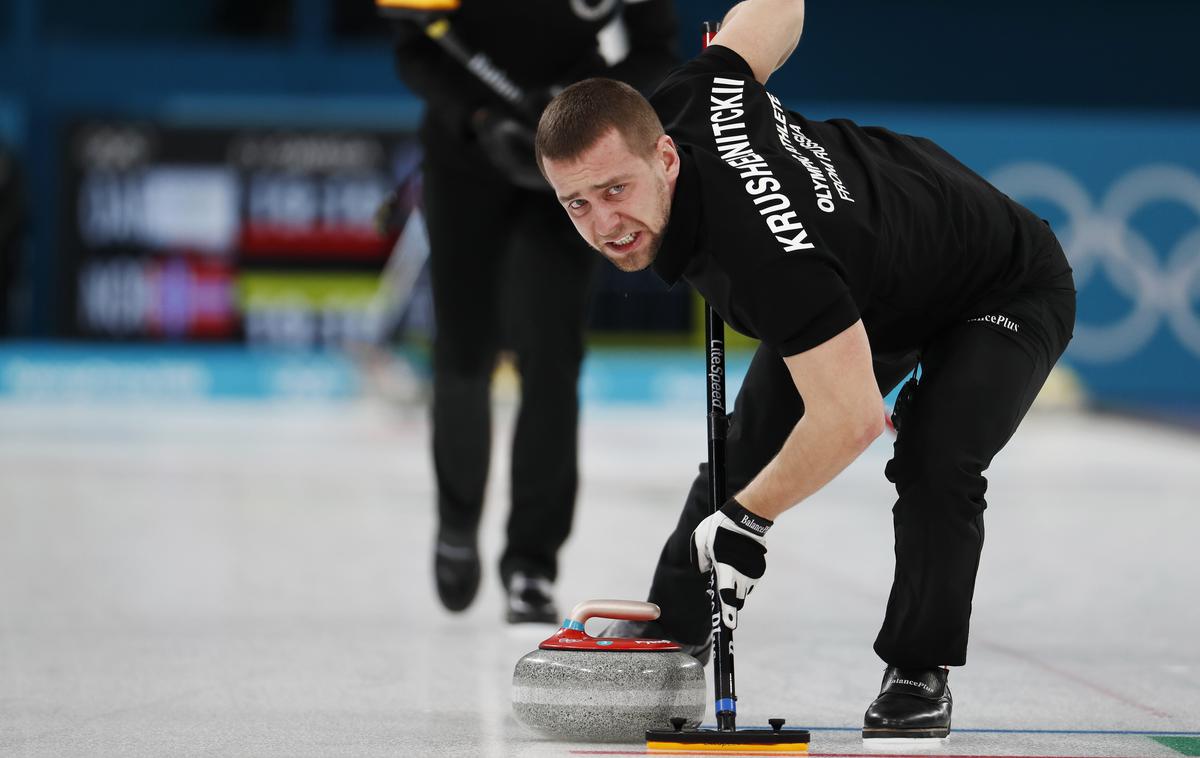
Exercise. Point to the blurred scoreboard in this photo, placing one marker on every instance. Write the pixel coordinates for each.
(265, 236)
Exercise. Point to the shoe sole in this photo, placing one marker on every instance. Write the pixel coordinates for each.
(905, 737)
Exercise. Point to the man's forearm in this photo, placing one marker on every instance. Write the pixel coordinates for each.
(816, 451)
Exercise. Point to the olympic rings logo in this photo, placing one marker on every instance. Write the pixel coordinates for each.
(1099, 240)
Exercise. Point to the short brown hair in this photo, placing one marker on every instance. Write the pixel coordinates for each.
(584, 112)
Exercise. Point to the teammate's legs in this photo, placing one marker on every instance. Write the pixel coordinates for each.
(546, 291)
(466, 245)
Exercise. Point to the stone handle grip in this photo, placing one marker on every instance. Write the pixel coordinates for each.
(632, 610)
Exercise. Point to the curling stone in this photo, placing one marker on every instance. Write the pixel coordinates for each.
(595, 689)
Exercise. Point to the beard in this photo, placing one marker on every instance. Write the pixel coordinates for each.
(644, 257)
(651, 236)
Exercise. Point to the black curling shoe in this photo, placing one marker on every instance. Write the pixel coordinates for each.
(530, 600)
(913, 704)
(456, 569)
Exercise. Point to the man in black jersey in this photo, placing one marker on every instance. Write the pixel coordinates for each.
(506, 268)
(853, 254)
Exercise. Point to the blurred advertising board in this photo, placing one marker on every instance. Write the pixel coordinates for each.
(259, 235)
(267, 237)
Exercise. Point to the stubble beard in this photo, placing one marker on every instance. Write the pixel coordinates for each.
(653, 239)
(644, 257)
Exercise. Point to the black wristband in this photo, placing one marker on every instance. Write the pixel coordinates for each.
(751, 522)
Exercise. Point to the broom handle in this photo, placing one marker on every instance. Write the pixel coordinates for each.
(433, 18)
(726, 696)
(714, 336)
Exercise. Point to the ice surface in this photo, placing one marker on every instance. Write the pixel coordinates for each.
(254, 580)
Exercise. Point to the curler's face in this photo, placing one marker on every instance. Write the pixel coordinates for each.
(619, 199)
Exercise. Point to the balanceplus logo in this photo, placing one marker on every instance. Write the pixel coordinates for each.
(911, 683)
(753, 525)
(1000, 320)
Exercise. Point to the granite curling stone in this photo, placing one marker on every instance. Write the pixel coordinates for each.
(588, 689)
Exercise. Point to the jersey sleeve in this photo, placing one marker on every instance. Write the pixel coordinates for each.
(681, 101)
(715, 59)
(797, 302)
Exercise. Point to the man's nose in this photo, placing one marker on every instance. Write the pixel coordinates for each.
(607, 222)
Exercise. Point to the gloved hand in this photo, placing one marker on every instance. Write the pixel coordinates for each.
(508, 144)
(732, 540)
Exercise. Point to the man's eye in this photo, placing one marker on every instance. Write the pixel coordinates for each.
(576, 204)
(616, 189)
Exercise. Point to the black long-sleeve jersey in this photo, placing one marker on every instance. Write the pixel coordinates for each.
(538, 44)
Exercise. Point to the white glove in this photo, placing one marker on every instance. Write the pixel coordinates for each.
(732, 540)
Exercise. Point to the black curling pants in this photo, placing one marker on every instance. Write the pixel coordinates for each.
(508, 269)
(978, 379)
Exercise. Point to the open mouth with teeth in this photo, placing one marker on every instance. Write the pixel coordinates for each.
(628, 242)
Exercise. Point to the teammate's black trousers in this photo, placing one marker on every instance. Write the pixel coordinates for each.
(978, 379)
(508, 269)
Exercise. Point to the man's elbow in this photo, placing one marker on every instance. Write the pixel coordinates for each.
(869, 425)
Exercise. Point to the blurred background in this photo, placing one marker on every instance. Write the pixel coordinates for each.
(187, 190)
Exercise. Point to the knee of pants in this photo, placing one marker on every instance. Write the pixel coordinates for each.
(931, 480)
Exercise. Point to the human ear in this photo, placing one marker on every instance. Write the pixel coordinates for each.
(666, 152)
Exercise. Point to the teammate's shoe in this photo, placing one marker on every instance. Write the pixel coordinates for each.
(652, 630)
(913, 704)
(530, 600)
(456, 569)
